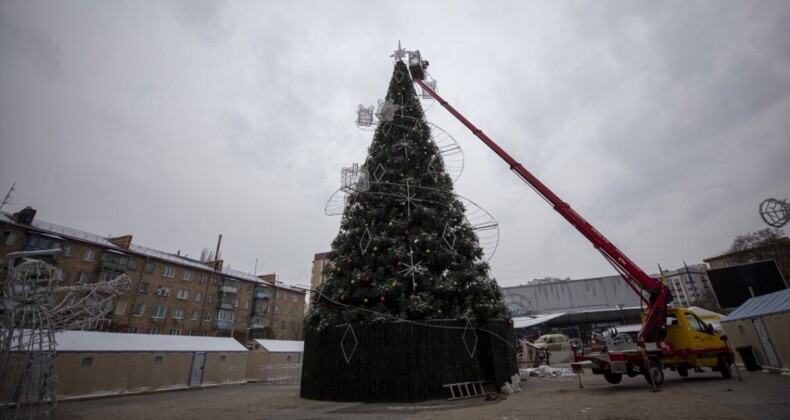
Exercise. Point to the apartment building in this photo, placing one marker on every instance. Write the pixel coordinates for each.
(689, 286)
(287, 310)
(320, 262)
(171, 294)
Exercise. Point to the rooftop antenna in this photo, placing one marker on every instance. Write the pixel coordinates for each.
(7, 199)
(255, 271)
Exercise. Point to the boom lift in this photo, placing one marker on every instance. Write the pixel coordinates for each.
(655, 294)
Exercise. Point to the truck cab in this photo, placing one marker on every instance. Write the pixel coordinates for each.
(691, 343)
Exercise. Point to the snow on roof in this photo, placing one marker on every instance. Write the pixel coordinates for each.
(138, 249)
(282, 346)
(72, 233)
(526, 321)
(772, 303)
(97, 341)
(168, 257)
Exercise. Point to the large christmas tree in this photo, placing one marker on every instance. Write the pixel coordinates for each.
(407, 305)
(405, 249)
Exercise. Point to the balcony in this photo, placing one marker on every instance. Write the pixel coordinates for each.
(260, 325)
(229, 289)
(229, 286)
(260, 308)
(227, 302)
(113, 266)
(262, 293)
(224, 325)
(225, 305)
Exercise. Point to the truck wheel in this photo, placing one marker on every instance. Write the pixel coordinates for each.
(654, 374)
(683, 372)
(724, 367)
(613, 378)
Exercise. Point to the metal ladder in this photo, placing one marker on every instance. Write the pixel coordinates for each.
(463, 390)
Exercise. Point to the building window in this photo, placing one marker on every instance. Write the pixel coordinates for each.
(158, 311)
(138, 309)
(195, 314)
(183, 294)
(187, 276)
(223, 315)
(87, 361)
(108, 275)
(245, 319)
(293, 297)
(203, 278)
(207, 317)
(132, 264)
(198, 296)
(163, 291)
(120, 308)
(247, 304)
(222, 359)
(149, 268)
(282, 324)
(9, 238)
(144, 287)
(89, 255)
(276, 309)
(210, 299)
(82, 278)
(213, 281)
(61, 273)
(158, 359)
(236, 303)
(168, 271)
(293, 311)
(134, 329)
(175, 331)
(68, 250)
(178, 313)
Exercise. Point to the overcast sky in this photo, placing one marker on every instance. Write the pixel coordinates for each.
(664, 124)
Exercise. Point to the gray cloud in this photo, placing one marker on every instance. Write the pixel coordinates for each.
(664, 124)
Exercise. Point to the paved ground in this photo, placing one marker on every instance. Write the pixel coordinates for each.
(701, 395)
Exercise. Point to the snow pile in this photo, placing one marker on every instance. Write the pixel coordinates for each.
(513, 386)
(546, 371)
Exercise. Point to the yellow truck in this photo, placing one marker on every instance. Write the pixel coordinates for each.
(685, 343)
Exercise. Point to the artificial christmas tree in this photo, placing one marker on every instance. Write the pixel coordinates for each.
(406, 271)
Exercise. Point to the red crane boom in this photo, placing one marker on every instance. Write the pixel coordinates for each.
(659, 296)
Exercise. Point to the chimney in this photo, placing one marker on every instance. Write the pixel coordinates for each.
(24, 216)
(124, 241)
(269, 278)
